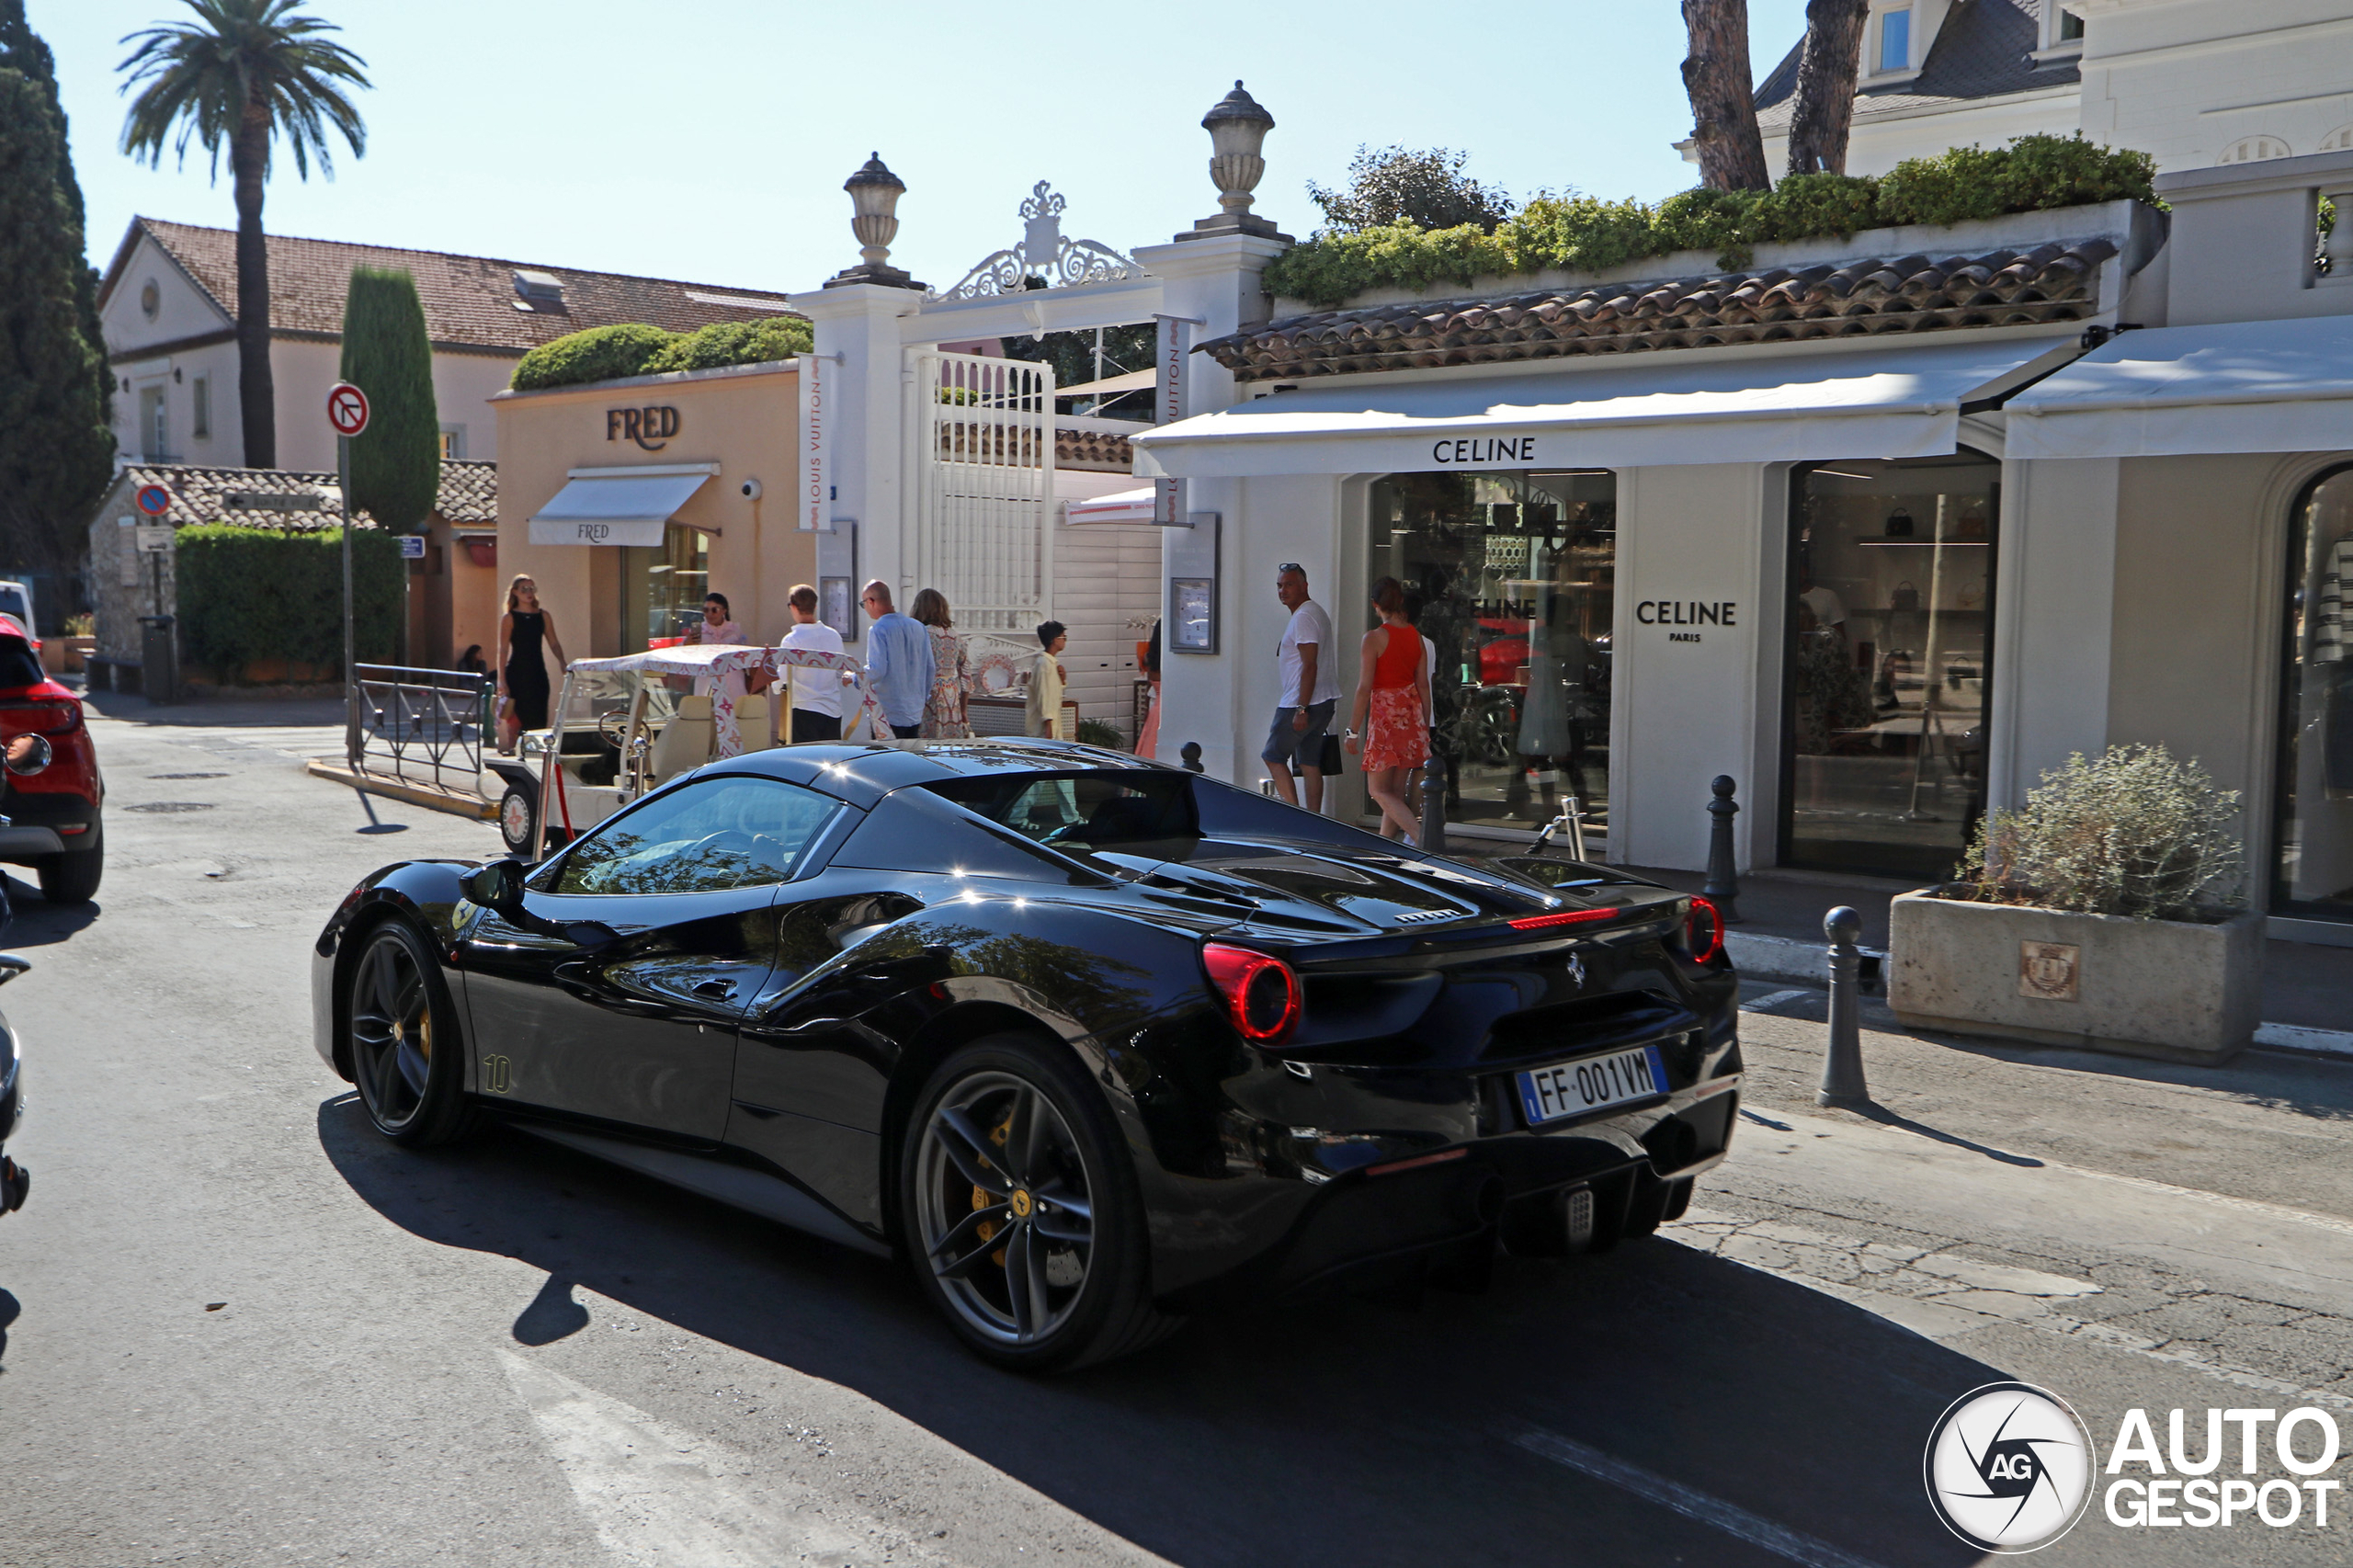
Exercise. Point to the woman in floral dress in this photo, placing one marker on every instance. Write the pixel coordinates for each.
(1393, 708)
(943, 709)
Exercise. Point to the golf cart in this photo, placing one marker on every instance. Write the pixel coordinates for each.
(622, 727)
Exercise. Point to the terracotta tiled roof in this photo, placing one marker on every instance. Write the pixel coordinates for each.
(1905, 294)
(469, 300)
(1106, 450)
(1984, 50)
(468, 494)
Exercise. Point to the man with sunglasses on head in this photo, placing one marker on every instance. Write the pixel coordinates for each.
(1310, 689)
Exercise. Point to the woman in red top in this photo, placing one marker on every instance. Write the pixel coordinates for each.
(1393, 692)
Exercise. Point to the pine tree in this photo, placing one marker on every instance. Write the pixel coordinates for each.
(396, 463)
(56, 446)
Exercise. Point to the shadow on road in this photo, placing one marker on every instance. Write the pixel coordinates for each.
(1303, 1433)
(36, 923)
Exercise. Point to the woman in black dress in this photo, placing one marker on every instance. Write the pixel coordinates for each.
(522, 668)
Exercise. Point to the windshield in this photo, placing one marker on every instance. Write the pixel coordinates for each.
(1083, 811)
(12, 602)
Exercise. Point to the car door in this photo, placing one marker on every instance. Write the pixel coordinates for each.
(615, 992)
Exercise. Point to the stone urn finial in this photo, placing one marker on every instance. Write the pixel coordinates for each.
(874, 193)
(1237, 124)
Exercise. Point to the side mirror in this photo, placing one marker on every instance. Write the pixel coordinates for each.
(496, 884)
(37, 755)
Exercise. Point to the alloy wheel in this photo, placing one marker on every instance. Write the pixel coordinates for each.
(391, 1031)
(1007, 1217)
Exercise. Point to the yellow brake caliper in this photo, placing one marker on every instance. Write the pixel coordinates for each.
(980, 1197)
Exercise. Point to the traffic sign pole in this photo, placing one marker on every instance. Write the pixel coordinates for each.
(347, 411)
(350, 675)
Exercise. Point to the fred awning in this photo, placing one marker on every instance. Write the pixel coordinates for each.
(615, 508)
(2274, 386)
(1749, 406)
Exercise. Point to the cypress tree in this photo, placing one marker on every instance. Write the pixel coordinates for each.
(396, 464)
(56, 447)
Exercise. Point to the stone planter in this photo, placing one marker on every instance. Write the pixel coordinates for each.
(2166, 989)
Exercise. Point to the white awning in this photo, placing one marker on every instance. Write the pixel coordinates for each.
(2272, 386)
(1755, 406)
(613, 508)
(1119, 506)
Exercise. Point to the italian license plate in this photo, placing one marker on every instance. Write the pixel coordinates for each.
(1595, 1082)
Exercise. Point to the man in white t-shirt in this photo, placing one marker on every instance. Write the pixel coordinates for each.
(816, 694)
(1310, 689)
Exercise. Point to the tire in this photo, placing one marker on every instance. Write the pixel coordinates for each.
(407, 1054)
(1066, 1287)
(72, 877)
(517, 815)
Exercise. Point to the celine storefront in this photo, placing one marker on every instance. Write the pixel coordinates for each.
(1776, 563)
(1883, 539)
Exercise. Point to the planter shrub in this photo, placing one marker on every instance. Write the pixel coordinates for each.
(2134, 834)
(2104, 914)
(249, 595)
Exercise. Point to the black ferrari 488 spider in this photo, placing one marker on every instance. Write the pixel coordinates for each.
(1091, 1042)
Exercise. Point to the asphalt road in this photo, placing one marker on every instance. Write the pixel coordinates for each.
(236, 1328)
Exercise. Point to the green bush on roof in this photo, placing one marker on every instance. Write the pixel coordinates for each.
(1582, 233)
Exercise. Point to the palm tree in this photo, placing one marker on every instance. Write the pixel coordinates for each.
(245, 73)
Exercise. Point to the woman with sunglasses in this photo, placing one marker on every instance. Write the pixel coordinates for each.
(522, 665)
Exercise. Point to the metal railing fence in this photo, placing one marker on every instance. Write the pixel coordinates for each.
(421, 726)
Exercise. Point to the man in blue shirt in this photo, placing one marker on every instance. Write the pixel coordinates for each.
(898, 663)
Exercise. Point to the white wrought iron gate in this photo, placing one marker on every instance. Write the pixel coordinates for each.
(983, 485)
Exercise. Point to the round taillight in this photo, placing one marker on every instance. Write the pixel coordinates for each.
(1261, 993)
(1703, 930)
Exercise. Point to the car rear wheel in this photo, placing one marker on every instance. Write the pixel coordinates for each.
(1022, 1216)
(72, 877)
(407, 1057)
(517, 815)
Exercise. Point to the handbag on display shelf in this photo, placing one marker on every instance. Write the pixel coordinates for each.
(1905, 598)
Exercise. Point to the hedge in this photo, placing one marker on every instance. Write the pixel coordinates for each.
(247, 595)
(1584, 234)
(608, 353)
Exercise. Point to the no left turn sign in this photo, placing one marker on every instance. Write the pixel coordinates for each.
(346, 409)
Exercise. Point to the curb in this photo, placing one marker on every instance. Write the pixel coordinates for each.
(1808, 963)
(336, 771)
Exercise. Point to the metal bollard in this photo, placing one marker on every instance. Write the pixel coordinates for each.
(1842, 1067)
(1723, 878)
(1189, 754)
(1432, 834)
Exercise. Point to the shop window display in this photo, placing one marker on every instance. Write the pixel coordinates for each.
(2314, 859)
(663, 589)
(1890, 625)
(1510, 576)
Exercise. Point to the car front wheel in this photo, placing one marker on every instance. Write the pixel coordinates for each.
(407, 1057)
(1023, 1220)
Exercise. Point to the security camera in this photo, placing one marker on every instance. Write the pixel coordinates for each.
(751, 490)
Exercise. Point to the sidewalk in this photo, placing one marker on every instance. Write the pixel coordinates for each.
(2305, 986)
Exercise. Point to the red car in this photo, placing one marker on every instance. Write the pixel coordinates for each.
(52, 808)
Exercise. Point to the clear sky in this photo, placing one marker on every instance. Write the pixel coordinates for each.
(707, 139)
